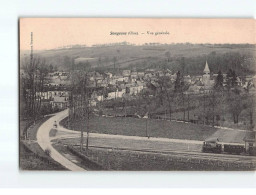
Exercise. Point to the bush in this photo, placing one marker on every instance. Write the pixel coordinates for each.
(47, 151)
(46, 109)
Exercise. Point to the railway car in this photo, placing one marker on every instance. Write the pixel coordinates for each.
(233, 149)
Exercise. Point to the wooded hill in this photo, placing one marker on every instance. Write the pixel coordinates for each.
(189, 58)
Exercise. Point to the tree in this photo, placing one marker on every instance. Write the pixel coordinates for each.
(235, 104)
(234, 79)
(213, 102)
(179, 89)
(231, 79)
(50, 68)
(250, 107)
(166, 92)
(42, 73)
(80, 101)
(33, 81)
(178, 82)
(182, 65)
(219, 81)
(147, 99)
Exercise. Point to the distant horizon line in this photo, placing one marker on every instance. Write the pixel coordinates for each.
(132, 44)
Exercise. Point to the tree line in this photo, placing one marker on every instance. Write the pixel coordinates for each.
(32, 81)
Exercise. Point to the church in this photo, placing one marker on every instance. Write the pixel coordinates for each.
(207, 80)
(203, 83)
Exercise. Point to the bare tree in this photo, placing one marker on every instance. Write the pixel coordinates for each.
(33, 80)
(250, 106)
(80, 102)
(213, 101)
(41, 78)
(235, 104)
(166, 92)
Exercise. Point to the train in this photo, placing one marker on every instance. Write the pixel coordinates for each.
(213, 146)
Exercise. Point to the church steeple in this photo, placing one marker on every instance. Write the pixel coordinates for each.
(206, 69)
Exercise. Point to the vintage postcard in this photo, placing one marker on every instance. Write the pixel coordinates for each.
(140, 94)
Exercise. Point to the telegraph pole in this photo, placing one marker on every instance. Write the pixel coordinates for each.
(213, 105)
(147, 127)
(188, 107)
(204, 107)
(33, 95)
(82, 116)
(88, 118)
(183, 105)
(82, 106)
(125, 107)
(147, 135)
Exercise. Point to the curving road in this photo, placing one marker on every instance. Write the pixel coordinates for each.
(44, 141)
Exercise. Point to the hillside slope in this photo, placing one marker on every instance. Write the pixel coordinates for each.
(148, 56)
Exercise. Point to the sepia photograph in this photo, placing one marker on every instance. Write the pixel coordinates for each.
(137, 94)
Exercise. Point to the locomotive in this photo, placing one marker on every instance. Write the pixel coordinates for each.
(212, 146)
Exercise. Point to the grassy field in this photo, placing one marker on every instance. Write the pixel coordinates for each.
(143, 127)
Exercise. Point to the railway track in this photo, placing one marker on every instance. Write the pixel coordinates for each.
(228, 158)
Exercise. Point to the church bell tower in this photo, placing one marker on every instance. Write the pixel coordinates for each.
(206, 76)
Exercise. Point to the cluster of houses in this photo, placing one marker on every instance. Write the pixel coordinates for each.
(128, 82)
(59, 78)
(56, 93)
(57, 97)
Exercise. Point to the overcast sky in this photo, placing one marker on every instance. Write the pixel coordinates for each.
(49, 33)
